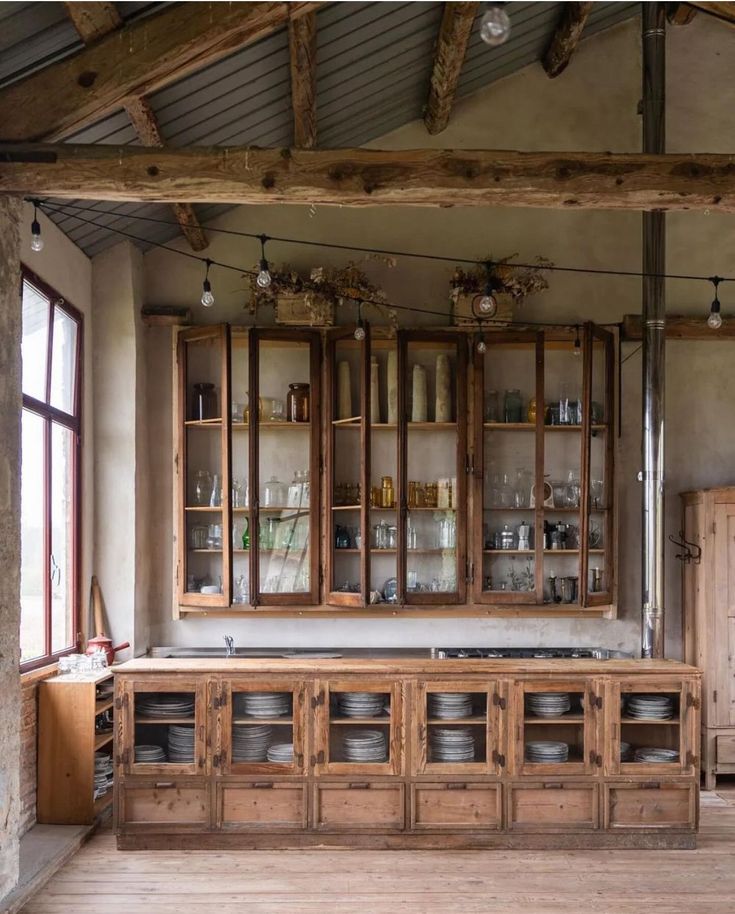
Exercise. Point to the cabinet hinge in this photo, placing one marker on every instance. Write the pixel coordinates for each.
(595, 700)
(317, 700)
(692, 759)
(595, 759)
(692, 702)
(499, 758)
(499, 701)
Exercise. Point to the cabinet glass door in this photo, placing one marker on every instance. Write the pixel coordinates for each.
(168, 724)
(204, 569)
(240, 499)
(508, 532)
(456, 730)
(432, 562)
(359, 727)
(598, 550)
(348, 456)
(556, 727)
(284, 432)
(265, 725)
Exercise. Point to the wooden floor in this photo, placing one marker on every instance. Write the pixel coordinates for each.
(100, 879)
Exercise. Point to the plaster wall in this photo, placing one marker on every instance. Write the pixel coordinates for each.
(593, 105)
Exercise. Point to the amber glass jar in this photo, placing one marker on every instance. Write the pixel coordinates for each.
(297, 403)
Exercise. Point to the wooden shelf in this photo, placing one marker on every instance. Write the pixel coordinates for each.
(205, 509)
(346, 507)
(102, 739)
(671, 722)
(103, 802)
(431, 426)
(105, 705)
(269, 425)
(360, 721)
(204, 423)
(215, 551)
(474, 719)
(255, 721)
(563, 719)
(409, 552)
(150, 721)
(531, 426)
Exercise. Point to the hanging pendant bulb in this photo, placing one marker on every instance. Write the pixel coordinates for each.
(714, 321)
(482, 346)
(264, 277)
(495, 25)
(207, 298)
(360, 328)
(577, 351)
(36, 240)
(486, 304)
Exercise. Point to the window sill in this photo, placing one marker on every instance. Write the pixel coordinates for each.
(41, 672)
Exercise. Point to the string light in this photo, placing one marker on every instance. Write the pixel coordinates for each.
(360, 328)
(495, 25)
(36, 240)
(207, 297)
(264, 277)
(714, 321)
(577, 344)
(481, 345)
(486, 303)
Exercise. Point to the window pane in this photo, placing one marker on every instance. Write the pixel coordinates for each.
(33, 562)
(35, 341)
(62, 538)
(63, 361)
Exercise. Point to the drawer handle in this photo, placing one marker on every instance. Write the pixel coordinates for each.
(263, 785)
(553, 786)
(456, 786)
(651, 785)
(164, 784)
(358, 786)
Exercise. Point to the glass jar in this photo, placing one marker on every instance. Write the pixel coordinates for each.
(203, 402)
(512, 406)
(297, 403)
(273, 494)
(202, 487)
(492, 407)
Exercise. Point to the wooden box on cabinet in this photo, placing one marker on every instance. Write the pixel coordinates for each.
(708, 603)
(67, 743)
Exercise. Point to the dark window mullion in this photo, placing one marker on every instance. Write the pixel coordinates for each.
(49, 349)
(47, 534)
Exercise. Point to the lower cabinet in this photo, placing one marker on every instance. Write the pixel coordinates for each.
(459, 805)
(553, 806)
(163, 805)
(262, 805)
(654, 804)
(359, 805)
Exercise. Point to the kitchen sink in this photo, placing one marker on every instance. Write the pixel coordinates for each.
(192, 653)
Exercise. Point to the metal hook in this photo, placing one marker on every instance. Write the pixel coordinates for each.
(692, 552)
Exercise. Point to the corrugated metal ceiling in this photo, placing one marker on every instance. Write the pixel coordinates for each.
(374, 65)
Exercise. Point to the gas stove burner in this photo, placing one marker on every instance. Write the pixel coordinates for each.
(525, 653)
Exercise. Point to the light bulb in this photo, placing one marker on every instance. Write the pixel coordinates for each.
(359, 332)
(714, 321)
(482, 347)
(36, 240)
(264, 277)
(488, 305)
(577, 351)
(207, 297)
(495, 26)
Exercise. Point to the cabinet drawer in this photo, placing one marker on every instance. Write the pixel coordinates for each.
(164, 803)
(554, 805)
(726, 750)
(262, 805)
(460, 805)
(651, 805)
(359, 804)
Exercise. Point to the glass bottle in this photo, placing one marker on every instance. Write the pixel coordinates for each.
(215, 497)
(246, 535)
(297, 403)
(512, 406)
(202, 487)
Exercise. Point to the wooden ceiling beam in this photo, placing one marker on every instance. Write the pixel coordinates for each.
(451, 48)
(93, 20)
(566, 37)
(724, 11)
(302, 51)
(370, 177)
(135, 60)
(144, 120)
(680, 13)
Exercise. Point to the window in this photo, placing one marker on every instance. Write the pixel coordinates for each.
(50, 491)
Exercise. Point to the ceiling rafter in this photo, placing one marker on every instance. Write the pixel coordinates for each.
(451, 48)
(302, 54)
(369, 177)
(724, 11)
(137, 59)
(566, 37)
(93, 20)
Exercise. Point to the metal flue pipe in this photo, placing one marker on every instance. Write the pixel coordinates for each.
(654, 342)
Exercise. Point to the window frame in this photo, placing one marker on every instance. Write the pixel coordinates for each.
(72, 421)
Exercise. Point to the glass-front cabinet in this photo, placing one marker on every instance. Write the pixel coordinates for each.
(544, 446)
(436, 459)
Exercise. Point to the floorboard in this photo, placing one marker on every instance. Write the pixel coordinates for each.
(101, 879)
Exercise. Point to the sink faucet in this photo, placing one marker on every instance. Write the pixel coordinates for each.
(230, 645)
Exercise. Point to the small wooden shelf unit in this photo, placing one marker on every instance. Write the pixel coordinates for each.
(410, 799)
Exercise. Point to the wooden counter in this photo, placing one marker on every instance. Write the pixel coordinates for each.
(226, 793)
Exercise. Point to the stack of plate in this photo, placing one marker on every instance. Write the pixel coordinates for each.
(165, 705)
(250, 744)
(452, 745)
(360, 704)
(365, 746)
(548, 704)
(263, 704)
(181, 745)
(102, 773)
(450, 704)
(546, 752)
(149, 755)
(626, 752)
(650, 707)
(656, 756)
(281, 752)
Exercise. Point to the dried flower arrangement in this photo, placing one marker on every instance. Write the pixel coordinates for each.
(518, 282)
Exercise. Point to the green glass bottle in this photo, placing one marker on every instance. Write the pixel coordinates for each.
(246, 535)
